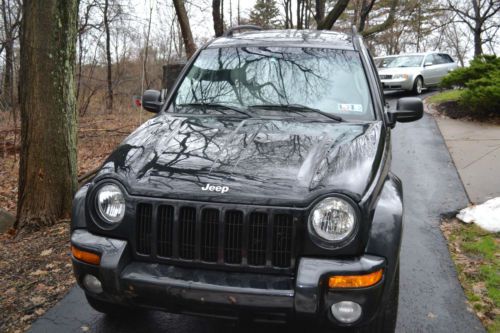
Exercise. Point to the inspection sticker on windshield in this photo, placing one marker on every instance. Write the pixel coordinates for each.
(350, 107)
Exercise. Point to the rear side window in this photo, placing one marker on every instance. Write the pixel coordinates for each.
(445, 58)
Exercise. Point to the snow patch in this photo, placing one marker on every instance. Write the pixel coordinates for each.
(486, 215)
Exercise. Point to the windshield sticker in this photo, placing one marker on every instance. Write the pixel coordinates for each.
(350, 108)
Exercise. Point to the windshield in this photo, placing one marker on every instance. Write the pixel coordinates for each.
(382, 62)
(331, 81)
(402, 61)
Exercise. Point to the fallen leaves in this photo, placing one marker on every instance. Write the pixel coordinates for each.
(36, 273)
(45, 253)
(36, 270)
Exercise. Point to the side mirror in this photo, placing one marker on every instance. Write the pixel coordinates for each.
(407, 110)
(427, 64)
(152, 101)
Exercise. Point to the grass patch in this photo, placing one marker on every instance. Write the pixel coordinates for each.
(446, 96)
(476, 254)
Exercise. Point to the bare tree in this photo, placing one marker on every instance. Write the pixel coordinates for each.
(47, 170)
(320, 10)
(287, 6)
(333, 15)
(11, 16)
(479, 15)
(185, 28)
(109, 96)
(217, 17)
(387, 23)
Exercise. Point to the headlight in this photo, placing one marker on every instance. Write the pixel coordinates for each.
(110, 203)
(333, 220)
(400, 76)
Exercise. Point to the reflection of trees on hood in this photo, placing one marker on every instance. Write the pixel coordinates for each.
(190, 148)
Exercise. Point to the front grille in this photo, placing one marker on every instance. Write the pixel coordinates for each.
(217, 236)
(385, 77)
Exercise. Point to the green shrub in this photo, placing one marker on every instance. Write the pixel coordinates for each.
(481, 83)
(479, 67)
(483, 95)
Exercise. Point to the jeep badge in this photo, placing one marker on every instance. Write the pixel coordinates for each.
(213, 188)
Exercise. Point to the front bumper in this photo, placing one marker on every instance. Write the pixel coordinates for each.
(403, 84)
(262, 297)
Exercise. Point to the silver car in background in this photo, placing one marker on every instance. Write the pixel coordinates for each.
(414, 71)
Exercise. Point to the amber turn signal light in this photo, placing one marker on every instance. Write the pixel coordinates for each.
(85, 256)
(355, 281)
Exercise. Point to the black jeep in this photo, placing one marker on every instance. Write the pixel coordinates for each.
(261, 190)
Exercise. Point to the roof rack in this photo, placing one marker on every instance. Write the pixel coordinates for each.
(355, 38)
(230, 31)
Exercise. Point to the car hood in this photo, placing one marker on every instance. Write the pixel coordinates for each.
(399, 70)
(260, 161)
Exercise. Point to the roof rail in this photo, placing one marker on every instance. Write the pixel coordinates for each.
(230, 31)
(354, 31)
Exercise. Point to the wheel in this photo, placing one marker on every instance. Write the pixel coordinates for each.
(418, 85)
(108, 308)
(385, 322)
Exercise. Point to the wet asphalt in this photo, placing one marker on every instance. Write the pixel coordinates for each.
(431, 299)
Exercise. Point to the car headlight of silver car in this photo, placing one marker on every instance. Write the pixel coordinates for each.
(110, 203)
(400, 76)
(332, 221)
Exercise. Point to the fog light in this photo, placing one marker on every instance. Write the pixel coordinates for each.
(346, 312)
(92, 284)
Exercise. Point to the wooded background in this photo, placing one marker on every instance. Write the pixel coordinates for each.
(67, 60)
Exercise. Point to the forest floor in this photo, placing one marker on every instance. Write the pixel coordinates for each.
(35, 270)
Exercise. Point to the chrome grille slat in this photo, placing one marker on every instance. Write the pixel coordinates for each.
(143, 234)
(187, 228)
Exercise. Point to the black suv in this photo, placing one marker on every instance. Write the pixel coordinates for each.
(262, 189)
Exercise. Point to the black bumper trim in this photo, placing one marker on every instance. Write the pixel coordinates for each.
(313, 272)
(209, 287)
(205, 291)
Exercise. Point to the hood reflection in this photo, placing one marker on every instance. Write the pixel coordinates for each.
(261, 160)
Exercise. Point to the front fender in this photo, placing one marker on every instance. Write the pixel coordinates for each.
(387, 227)
(78, 214)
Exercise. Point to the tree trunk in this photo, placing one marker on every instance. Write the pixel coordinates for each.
(299, 16)
(366, 8)
(478, 42)
(109, 99)
(216, 14)
(48, 168)
(320, 11)
(333, 15)
(239, 13)
(187, 36)
(8, 78)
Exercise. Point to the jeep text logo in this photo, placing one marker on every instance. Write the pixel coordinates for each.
(213, 188)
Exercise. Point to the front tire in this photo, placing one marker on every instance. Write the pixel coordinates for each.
(418, 85)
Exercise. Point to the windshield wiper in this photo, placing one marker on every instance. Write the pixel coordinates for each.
(298, 107)
(217, 105)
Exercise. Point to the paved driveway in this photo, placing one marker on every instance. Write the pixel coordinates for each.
(431, 299)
